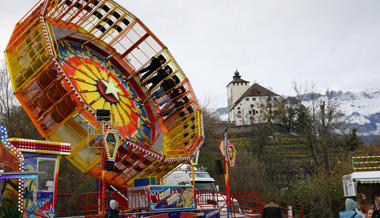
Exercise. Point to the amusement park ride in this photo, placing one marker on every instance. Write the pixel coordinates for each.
(106, 94)
(69, 58)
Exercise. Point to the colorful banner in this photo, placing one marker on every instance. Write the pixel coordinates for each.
(210, 213)
(170, 197)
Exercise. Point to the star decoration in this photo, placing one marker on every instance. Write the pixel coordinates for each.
(51, 213)
(111, 89)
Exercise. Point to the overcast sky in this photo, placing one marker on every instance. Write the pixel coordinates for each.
(332, 43)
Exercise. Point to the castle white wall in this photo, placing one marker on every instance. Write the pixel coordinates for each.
(250, 110)
(234, 91)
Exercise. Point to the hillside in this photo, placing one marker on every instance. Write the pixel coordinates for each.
(362, 110)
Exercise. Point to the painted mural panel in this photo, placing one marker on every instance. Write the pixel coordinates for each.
(9, 199)
(173, 197)
(39, 193)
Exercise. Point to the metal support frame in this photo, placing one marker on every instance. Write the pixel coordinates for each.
(93, 125)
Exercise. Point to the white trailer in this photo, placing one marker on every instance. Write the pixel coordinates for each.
(367, 182)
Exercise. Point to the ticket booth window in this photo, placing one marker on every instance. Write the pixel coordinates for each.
(46, 177)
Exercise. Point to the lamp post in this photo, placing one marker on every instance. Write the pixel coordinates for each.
(228, 151)
(226, 177)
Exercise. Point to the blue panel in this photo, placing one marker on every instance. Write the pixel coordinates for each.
(141, 182)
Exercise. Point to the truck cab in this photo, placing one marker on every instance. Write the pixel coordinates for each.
(203, 181)
(184, 176)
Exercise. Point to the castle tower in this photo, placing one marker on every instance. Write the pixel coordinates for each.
(235, 89)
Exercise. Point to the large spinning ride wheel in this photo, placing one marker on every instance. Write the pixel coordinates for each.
(68, 58)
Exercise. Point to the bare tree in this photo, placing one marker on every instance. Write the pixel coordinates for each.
(12, 115)
(254, 171)
(317, 121)
(7, 99)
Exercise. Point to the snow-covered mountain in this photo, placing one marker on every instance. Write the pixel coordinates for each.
(361, 108)
(221, 113)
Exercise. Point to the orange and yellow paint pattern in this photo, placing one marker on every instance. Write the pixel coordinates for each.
(103, 86)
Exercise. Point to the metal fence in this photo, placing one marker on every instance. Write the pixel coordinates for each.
(247, 204)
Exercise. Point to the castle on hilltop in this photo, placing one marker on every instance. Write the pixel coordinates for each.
(246, 103)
